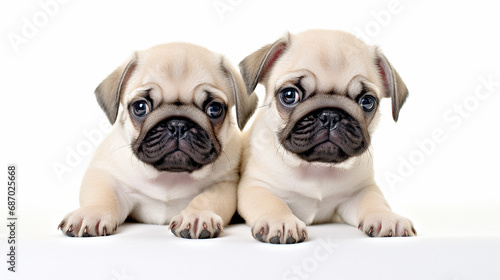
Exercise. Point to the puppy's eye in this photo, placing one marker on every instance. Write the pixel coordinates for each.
(289, 96)
(368, 103)
(140, 108)
(215, 110)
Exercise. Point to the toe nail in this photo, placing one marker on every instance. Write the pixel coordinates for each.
(304, 236)
(172, 225)
(370, 232)
(185, 233)
(217, 232)
(69, 232)
(275, 240)
(259, 236)
(290, 240)
(86, 233)
(204, 234)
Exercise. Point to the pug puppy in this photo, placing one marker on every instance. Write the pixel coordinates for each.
(173, 154)
(308, 158)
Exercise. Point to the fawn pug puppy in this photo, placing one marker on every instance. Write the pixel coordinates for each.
(174, 151)
(307, 157)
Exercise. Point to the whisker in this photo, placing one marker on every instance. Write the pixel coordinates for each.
(227, 157)
(264, 105)
(121, 147)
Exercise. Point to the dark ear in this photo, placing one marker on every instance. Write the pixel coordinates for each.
(394, 86)
(255, 66)
(245, 104)
(109, 91)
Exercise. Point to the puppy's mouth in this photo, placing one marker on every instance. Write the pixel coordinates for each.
(177, 145)
(328, 135)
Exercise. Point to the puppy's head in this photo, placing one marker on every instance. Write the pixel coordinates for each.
(173, 104)
(323, 90)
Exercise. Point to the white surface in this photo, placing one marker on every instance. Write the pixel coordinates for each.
(449, 187)
(333, 252)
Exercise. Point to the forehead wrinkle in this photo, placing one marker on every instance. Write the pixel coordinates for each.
(147, 90)
(334, 63)
(335, 74)
(285, 79)
(200, 95)
(207, 90)
(178, 81)
(178, 74)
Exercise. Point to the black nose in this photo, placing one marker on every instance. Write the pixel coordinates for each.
(178, 127)
(329, 118)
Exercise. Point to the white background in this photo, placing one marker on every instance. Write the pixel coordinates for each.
(54, 55)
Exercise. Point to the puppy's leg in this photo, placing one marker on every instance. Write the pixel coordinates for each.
(207, 213)
(271, 219)
(99, 212)
(370, 212)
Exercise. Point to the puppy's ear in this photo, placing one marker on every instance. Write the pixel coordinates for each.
(109, 91)
(255, 66)
(245, 104)
(394, 86)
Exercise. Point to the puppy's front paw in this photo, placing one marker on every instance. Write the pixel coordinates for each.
(276, 230)
(386, 224)
(88, 222)
(196, 224)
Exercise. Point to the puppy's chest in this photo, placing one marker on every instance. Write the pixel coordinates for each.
(313, 195)
(171, 187)
(157, 201)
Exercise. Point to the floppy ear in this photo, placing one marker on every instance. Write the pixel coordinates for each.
(109, 91)
(394, 86)
(245, 104)
(255, 66)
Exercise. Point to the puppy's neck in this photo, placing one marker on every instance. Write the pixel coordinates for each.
(171, 178)
(319, 168)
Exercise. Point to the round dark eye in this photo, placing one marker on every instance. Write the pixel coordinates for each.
(215, 110)
(140, 108)
(368, 103)
(290, 96)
